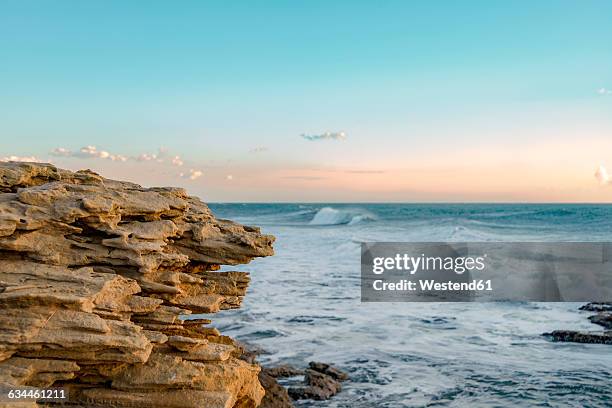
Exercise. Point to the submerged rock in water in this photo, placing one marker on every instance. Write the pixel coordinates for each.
(581, 337)
(597, 307)
(96, 277)
(283, 371)
(329, 370)
(322, 382)
(602, 319)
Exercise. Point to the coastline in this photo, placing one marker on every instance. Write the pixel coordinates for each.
(307, 297)
(96, 274)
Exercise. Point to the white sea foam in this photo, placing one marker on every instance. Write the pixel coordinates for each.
(332, 216)
(497, 349)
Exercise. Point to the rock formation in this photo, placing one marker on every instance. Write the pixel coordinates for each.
(570, 336)
(322, 381)
(602, 318)
(96, 278)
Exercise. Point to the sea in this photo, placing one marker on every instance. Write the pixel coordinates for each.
(304, 305)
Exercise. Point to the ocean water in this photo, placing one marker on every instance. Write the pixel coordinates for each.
(304, 304)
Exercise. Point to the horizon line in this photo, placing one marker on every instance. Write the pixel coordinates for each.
(418, 202)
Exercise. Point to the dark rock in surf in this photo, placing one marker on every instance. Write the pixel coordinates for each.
(322, 382)
(597, 307)
(602, 319)
(580, 337)
(328, 370)
(283, 371)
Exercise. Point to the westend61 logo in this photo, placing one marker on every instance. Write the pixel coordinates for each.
(413, 264)
(486, 271)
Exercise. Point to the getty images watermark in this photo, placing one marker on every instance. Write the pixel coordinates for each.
(467, 272)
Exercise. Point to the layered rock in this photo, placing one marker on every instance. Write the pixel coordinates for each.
(96, 277)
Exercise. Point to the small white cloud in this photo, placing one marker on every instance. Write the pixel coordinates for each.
(61, 151)
(162, 156)
(325, 136)
(88, 152)
(146, 157)
(92, 152)
(177, 161)
(604, 91)
(20, 159)
(602, 175)
(192, 174)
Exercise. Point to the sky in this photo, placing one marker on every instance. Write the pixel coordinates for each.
(316, 101)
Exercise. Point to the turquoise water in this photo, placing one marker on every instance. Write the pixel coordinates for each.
(304, 304)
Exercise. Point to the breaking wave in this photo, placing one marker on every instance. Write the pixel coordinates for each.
(332, 216)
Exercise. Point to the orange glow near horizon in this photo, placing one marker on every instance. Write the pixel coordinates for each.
(540, 173)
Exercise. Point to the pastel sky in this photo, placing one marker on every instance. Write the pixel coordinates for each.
(322, 101)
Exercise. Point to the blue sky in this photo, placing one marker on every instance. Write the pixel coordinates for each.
(440, 101)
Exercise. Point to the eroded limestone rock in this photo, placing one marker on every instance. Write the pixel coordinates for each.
(95, 275)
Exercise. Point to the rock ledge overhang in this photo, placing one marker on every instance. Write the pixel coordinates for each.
(95, 277)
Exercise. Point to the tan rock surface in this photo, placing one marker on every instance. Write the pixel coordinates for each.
(94, 276)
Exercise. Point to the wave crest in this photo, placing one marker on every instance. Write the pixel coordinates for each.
(332, 216)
